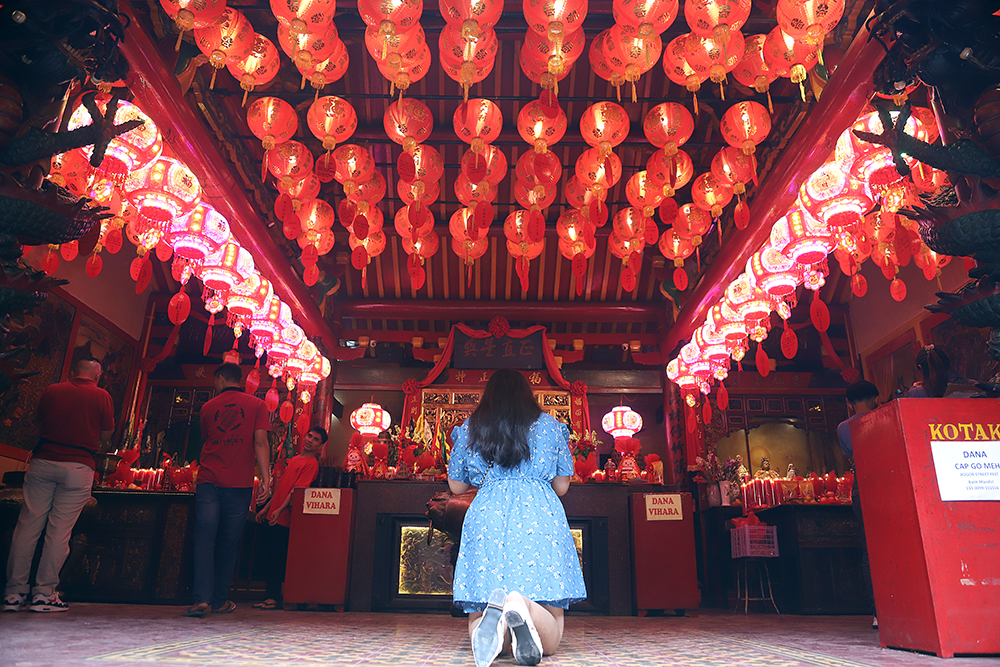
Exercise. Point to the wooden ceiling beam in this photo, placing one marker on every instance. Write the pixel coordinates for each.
(519, 311)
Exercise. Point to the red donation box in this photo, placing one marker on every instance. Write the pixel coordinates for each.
(663, 552)
(929, 478)
(319, 546)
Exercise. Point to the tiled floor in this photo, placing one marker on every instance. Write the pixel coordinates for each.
(96, 635)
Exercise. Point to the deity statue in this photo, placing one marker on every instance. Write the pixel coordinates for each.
(742, 474)
(791, 473)
(765, 471)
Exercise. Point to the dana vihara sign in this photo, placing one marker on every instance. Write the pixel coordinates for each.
(664, 507)
(321, 501)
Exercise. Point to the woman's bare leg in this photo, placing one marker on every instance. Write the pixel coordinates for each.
(548, 621)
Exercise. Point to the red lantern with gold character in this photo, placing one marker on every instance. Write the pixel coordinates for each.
(408, 122)
(227, 40)
(790, 57)
(191, 14)
(272, 120)
(753, 71)
(258, 67)
(716, 18)
(332, 120)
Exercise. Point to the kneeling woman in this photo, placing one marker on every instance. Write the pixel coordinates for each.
(517, 569)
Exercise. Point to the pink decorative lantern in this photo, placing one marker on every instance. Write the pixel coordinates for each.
(167, 190)
(227, 267)
(370, 419)
(199, 234)
(622, 422)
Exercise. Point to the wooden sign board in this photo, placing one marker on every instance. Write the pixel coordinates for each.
(321, 501)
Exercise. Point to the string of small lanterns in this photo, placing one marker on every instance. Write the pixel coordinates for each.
(156, 200)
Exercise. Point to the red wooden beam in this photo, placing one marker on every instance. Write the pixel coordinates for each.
(849, 90)
(155, 88)
(518, 311)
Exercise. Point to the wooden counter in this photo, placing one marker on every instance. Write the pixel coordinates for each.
(818, 568)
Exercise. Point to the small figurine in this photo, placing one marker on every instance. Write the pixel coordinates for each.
(742, 473)
(765, 471)
(791, 473)
(355, 459)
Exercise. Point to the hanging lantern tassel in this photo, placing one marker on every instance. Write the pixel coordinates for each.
(789, 342)
(579, 271)
(253, 379)
(364, 277)
(208, 335)
(741, 214)
(706, 412)
(271, 398)
(697, 255)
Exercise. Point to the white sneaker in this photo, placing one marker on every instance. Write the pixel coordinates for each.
(14, 602)
(52, 603)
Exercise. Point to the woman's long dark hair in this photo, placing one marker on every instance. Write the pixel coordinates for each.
(498, 429)
(934, 368)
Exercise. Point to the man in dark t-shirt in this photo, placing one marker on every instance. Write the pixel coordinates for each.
(74, 418)
(235, 426)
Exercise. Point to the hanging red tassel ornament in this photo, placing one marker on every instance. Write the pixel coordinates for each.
(690, 424)
(94, 265)
(668, 211)
(897, 289)
(819, 313)
(859, 285)
(287, 412)
(680, 278)
(179, 307)
(763, 362)
(302, 423)
(706, 412)
(233, 355)
(789, 342)
(208, 335)
(579, 271)
(628, 278)
(722, 398)
(271, 398)
(143, 272)
(163, 251)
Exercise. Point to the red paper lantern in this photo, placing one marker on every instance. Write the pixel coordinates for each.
(542, 124)
(692, 223)
(374, 244)
(227, 267)
(630, 53)
(162, 193)
(669, 172)
(228, 40)
(668, 125)
(604, 125)
(677, 68)
(428, 163)
(643, 193)
(469, 192)
(469, 251)
(265, 324)
(315, 214)
(811, 19)
(537, 197)
(471, 16)
(289, 162)
(716, 18)
(710, 193)
(596, 171)
(199, 234)
(555, 19)
(538, 169)
(622, 422)
(352, 165)
(658, 15)
(258, 67)
(790, 57)
(371, 190)
(190, 14)
(424, 192)
(478, 122)
(391, 18)
(455, 48)
(370, 419)
(272, 120)
(306, 48)
(745, 124)
(675, 247)
(544, 61)
(306, 16)
(408, 122)
(424, 246)
(332, 120)
(733, 166)
(490, 165)
(330, 69)
(714, 58)
(283, 346)
(403, 69)
(752, 70)
(299, 360)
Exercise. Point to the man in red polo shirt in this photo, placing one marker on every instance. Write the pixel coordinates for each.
(75, 417)
(235, 426)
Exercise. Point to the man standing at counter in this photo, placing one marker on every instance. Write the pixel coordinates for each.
(235, 427)
(862, 397)
(75, 417)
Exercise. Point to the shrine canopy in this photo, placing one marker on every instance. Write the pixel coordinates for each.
(498, 346)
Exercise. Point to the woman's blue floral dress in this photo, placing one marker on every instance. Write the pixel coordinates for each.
(515, 536)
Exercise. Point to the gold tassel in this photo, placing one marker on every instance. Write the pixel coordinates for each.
(211, 84)
(770, 107)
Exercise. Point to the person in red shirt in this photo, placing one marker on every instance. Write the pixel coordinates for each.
(300, 472)
(235, 426)
(75, 417)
